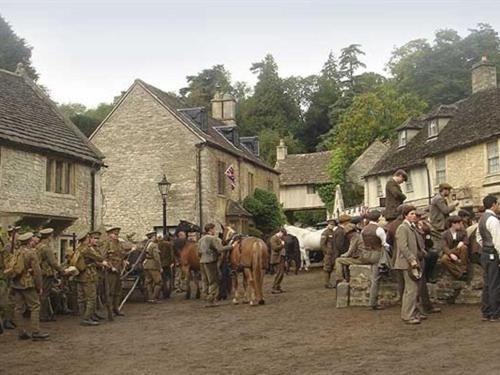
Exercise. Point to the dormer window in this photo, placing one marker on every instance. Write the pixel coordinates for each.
(402, 138)
(433, 128)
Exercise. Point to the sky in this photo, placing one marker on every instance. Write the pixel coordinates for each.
(89, 51)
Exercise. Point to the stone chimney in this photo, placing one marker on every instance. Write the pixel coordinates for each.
(281, 151)
(224, 108)
(484, 75)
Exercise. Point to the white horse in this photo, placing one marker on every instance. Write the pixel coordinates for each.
(309, 239)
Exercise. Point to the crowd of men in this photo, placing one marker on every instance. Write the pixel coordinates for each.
(411, 242)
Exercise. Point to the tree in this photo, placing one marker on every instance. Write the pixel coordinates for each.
(14, 50)
(202, 87)
(266, 210)
(87, 120)
(372, 115)
(349, 63)
(270, 138)
(439, 72)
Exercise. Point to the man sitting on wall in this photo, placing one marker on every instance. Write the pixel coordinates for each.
(454, 244)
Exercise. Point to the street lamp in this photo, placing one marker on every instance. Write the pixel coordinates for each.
(164, 186)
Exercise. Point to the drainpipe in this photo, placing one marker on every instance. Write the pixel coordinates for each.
(92, 199)
(199, 147)
(429, 192)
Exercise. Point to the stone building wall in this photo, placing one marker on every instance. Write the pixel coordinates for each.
(23, 190)
(141, 141)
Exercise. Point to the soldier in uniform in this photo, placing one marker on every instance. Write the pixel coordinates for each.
(114, 261)
(50, 269)
(6, 300)
(152, 267)
(24, 271)
(86, 259)
(327, 249)
(210, 248)
(167, 261)
(278, 259)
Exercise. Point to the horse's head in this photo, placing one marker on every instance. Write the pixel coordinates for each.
(187, 227)
(228, 233)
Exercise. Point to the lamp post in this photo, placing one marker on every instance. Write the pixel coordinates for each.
(164, 186)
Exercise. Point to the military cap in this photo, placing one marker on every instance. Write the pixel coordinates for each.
(356, 220)
(110, 229)
(444, 185)
(150, 233)
(25, 236)
(344, 218)
(84, 235)
(46, 231)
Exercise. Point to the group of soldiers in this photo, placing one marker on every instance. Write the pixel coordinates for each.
(411, 242)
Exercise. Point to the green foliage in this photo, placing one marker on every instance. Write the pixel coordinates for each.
(87, 120)
(439, 72)
(14, 50)
(202, 87)
(266, 210)
(252, 231)
(308, 217)
(270, 138)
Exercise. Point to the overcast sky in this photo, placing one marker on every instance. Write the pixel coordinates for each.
(89, 51)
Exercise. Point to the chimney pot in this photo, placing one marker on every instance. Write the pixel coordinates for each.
(484, 75)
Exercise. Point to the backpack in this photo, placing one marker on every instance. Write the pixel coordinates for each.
(78, 261)
(15, 265)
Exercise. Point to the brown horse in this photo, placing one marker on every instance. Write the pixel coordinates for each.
(250, 255)
(190, 264)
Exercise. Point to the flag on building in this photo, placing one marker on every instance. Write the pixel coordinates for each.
(230, 174)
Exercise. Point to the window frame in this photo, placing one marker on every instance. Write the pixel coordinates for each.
(402, 141)
(221, 177)
(311, 189)
(440, 174)
(433, 134)
(250, 183)
(380, 188)
(489, 158)
(409, 183)
(60, 176)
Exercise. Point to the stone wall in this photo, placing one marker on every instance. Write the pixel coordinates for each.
(445, 290)
(23, 190)
(141, 141)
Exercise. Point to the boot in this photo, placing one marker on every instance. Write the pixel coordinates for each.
(9, 324)
(328, 285)
(39, 336)
(110, 313)
(88, 322)
(118, 312)
(24, 335)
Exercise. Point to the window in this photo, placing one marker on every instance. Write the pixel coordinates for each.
(440, 170)
(402, 138)
(59, 177)
(409, 184)
(380, 192)
(433, 128)
(221, 177)
(311, 189)
(270, 185)
(250, 183)
(493, 166)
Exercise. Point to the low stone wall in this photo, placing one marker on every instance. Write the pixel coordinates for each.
(445, 290)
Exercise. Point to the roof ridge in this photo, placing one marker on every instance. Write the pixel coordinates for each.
(9, 72)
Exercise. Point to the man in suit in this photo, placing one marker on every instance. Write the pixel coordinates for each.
(454, 244)
(394, 196)
(439, 209)
(407, 261)
(488, 236)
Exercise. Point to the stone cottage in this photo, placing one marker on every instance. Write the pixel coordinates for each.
(456, 143)
(47, 166)
(149, 134)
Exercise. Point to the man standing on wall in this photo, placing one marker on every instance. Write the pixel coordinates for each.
(394, 196)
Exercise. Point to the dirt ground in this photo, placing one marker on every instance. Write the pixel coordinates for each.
(298, 332)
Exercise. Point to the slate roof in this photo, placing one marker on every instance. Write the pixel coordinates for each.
(411, 123)
(211, 135)
(234, 208)
(474, 120)
(29, 118)
(305, 169)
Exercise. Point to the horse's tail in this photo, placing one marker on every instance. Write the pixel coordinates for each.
(258, 266)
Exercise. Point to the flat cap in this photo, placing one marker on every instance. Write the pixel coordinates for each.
(444, 185)
(344, 218)
(110, 229)
(402, 173)
(11, 228)
(150, 233)
(25, 236)
(46, 231)
(356, 220)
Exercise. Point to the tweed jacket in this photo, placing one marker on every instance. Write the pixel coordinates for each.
(439, 210)
(448, 245)
(277, 249)
(409, 246)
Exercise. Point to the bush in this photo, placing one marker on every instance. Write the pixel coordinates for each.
(266, 210)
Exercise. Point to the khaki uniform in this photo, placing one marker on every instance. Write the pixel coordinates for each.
(25, 289)
(50, 268)
(87, 280)
(209, 249)
(152, 270)
(6, 301)
(278, 260)
(114, 255)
